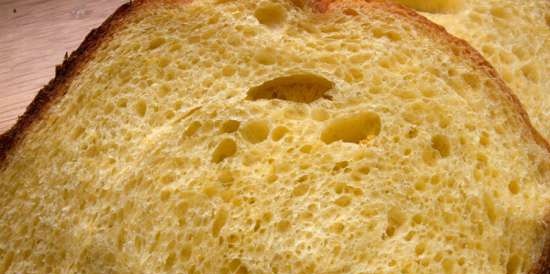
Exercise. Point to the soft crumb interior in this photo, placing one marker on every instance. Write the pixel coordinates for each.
(513, 35)
(256, 137)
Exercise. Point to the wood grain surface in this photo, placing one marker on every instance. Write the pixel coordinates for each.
(34, 37)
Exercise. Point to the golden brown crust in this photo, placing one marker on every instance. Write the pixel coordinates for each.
(72, 65)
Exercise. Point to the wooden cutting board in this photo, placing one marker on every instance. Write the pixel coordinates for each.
(34, 37)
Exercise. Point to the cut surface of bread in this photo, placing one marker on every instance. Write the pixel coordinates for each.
(513, 35)
(273, 137)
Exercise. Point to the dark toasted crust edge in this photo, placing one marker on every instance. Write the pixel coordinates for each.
(72, 65)
(64, 73)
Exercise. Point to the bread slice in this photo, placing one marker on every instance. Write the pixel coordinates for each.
(273, 137)
(513, 35)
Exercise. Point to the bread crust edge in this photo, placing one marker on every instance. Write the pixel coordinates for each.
(72, 65)
(64, 73)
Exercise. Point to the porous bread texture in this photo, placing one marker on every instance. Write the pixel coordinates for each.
(513, 35)
(263, 137)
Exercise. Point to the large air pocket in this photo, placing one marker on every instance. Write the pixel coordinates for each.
(301, 88)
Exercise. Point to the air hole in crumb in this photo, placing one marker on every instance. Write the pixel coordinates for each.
(420, 248)
(428, 92)
(219, 222)
(192, 128)
(169, 114)
(396, 218)
(412, 133)
(169, 262)
(163, 90)
(530, 72)
(339, 188)
(484, 139)
(340, 165)
(109, 108)
(168, 178)
(255, 131)
(300, 190)
(228, 71)
(391, 35)
(472, 80)
(514, 187)
(420, 185)
(77, 132)
(417, 219)
(355, 128)
(306, 148)
(319, 115)
(122, 103)
(490, 208)
(514, 264)
(337, 228)
(226, 148)
(500, 12)
(178, 104)
(185, 252)
(283, 226)
(365, 170)
(301, 88)
(441, 144)
(270, 14)
(448, 265)
(141, 108)
(543, 167)
(279, 133)
(266, 56)
(230, 126)
(343, 201)
(236, 267)
(163, 62)
(350, 12)
(165, 195)
(156, 42)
